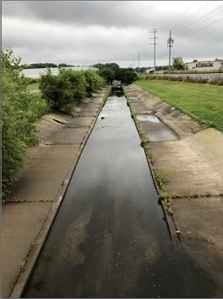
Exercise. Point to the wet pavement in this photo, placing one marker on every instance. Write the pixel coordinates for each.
(155, 129)
(110, 238)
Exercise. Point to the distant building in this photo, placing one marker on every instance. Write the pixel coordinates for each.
(159, 69)
(205, 65)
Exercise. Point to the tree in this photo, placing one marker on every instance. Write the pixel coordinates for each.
(107, 74)
(178, 64)
(18, 115)
(68, 87)
(126, 75)
(65, 65)
(94, 82)
(112, 66)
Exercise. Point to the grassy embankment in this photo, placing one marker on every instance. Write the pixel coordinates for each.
(32, 86)
(42, 107)
(202, 102)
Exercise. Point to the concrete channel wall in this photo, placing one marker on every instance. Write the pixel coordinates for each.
(212, 77)
(195, 182)
(31, 207)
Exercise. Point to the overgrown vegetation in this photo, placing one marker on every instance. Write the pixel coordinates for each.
(20, 109)
(32, 86)
(19, 112)
(46, 64)
(69, 87)
(112, 66)
(107, 74)
(217, 80)
(203, 103)
(126, 75)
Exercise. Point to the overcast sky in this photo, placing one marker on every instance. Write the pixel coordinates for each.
(88, 32)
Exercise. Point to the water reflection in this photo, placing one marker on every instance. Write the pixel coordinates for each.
(109, 238)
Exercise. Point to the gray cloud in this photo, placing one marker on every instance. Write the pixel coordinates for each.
(90, 32)
(83, 13)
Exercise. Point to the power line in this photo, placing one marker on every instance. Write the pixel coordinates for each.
(200, 19)
(154, 43)
(176, 38)
(199, 11)
(179, 15)
(200, 29)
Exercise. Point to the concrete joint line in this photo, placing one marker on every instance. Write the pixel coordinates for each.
(23, 278)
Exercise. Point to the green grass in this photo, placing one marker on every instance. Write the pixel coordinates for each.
(40, 105)
(202, 102)
(32, 86)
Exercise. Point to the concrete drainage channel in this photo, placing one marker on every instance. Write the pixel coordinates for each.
(195, 182)
(109, 238)
(49, 134)
(155, 130)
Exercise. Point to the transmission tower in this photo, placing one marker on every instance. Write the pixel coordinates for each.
(154, 43)
(170, 41)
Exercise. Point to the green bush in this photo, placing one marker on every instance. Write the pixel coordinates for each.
(100, 81)
(94, 82)
(69, 86)
(19, 113)
(42, 108)
(220, 82)
(140, 77)
(33, 80)
(126, 75)
(91, 86)
(107, 74)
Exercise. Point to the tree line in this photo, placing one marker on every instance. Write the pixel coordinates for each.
(45, 65)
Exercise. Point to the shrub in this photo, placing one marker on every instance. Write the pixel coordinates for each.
(107, 74)
(140, 77)
(18, 115)
(91, 84)
(69, 86)
(33, 80)
(126, 75)
(220, 82)
(94, 82)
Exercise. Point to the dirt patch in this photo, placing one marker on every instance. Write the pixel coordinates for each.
(34, 90)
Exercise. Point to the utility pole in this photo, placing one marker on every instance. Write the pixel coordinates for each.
(170, 41)
(139, 63)
(154, 43)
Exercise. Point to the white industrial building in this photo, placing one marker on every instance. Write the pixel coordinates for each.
(205, 65)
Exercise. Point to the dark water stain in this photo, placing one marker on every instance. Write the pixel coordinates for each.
(109, 238)
(155, 129)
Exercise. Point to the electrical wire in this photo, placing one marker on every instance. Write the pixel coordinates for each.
(196, 25)
(200, 19)
(181, 14)
(200, 29)
(189, 17)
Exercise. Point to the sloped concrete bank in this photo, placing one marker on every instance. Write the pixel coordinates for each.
(194, 160)
(41, 189)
